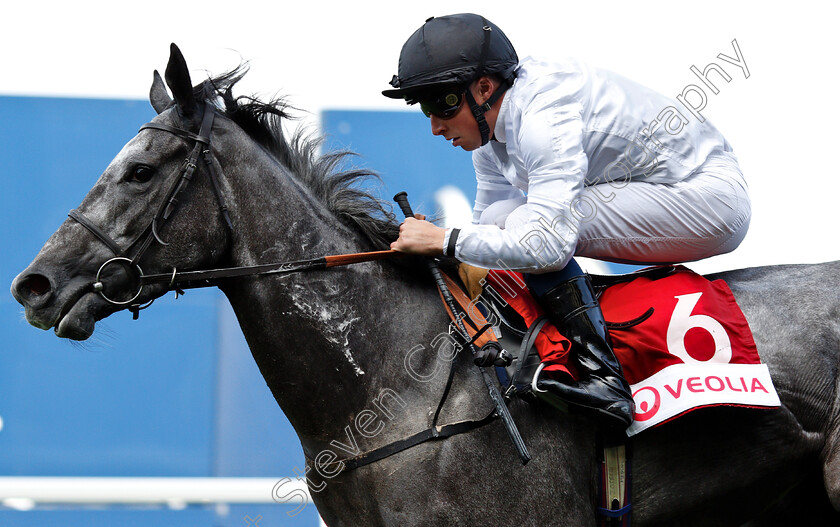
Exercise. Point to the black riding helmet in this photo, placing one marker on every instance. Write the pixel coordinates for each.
(450, 52)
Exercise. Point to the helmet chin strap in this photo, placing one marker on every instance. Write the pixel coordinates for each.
(478, 111)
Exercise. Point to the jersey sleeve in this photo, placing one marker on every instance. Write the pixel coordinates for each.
(540, 235)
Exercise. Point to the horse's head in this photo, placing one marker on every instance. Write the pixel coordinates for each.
(150, 212)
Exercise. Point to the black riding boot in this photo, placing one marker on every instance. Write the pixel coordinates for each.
(573, 308)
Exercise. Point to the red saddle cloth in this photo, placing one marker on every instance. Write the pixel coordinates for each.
(681, 339)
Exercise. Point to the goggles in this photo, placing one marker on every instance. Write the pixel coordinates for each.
(443, 106)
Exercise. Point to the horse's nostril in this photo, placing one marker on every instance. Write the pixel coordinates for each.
(32, 289)
(34, 285)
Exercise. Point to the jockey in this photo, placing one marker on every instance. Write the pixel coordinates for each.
(570, 160)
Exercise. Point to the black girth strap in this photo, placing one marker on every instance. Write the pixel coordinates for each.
(431, 434)
(435, 432)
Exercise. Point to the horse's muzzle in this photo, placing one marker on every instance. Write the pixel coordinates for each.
(52, 303)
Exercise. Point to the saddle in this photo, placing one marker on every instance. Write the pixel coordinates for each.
(514, 336)
(682, 340)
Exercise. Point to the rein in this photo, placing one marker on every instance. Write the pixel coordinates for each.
(204, 278)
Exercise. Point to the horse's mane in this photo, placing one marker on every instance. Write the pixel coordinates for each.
(337, 189)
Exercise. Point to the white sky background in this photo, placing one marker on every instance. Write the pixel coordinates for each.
(781, 120)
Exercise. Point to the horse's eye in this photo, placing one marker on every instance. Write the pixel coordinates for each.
(142, 174)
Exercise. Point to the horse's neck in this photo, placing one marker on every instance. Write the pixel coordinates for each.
(331, 344)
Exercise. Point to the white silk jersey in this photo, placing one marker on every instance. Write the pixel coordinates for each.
(576, 149)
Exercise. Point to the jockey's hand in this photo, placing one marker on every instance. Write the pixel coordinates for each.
(418, 236)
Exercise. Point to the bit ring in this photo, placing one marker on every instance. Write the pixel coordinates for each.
(99, 287)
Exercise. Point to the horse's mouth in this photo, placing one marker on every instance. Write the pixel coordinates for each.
(73, 308)
(71, 313)
(78, 316)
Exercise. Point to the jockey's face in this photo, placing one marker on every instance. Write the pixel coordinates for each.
(462, 128)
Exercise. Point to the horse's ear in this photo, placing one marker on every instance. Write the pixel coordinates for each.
(178, 79)
(158, 95)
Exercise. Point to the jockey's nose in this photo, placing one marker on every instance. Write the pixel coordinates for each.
(437, 125)
(32, 289)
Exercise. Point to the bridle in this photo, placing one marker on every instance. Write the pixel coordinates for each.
(200, 151)
(178, 281)
(203, 278)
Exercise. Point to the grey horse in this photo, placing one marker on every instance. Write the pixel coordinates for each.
(355, 357)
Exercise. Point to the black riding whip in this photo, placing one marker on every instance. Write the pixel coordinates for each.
(501, 408)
